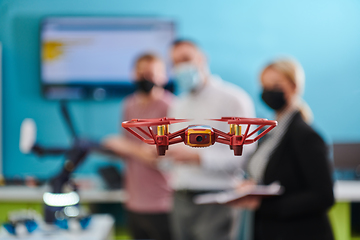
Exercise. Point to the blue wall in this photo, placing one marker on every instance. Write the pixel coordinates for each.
(239, 38)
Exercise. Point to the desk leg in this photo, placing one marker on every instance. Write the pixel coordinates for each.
(340, 218)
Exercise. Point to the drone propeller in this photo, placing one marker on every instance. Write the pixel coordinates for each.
(152, 122)
(240, 120)
(223, 119)
(227, 119)
(256, 121)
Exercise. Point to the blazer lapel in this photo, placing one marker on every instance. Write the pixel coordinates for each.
(276, 156)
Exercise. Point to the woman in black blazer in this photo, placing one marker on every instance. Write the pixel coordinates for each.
(294, 155)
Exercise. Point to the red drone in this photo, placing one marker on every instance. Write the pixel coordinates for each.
(198, 135)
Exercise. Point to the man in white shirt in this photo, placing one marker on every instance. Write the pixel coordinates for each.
(202, 170)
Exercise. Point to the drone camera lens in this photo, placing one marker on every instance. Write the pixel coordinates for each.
(199, 138)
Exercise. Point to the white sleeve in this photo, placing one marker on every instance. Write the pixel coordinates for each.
(176, 111)
(219, 157)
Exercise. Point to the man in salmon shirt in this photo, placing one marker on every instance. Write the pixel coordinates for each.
(149, 196)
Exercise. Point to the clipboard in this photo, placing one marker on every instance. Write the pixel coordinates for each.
(274, 189)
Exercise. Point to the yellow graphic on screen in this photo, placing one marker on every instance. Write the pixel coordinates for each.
(52, 50)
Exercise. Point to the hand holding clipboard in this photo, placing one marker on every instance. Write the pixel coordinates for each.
(243, 193)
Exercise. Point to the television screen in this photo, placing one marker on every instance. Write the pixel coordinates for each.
(93, 57)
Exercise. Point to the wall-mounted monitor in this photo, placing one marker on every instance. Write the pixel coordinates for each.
(93, 57)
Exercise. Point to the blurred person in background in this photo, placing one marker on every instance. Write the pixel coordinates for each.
(294, 155)
(196, 171)
(149, 195)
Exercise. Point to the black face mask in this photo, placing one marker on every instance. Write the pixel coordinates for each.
(275, 99)
(144, 85)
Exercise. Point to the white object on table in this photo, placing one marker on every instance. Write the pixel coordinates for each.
(27, 135)
(100, 228)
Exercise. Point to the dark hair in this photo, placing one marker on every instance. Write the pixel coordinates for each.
(181, 41)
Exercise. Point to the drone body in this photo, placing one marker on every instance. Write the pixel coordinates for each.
(198, 135)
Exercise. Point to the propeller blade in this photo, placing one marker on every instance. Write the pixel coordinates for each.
(179, 120)
(241, 120)
(152, 122)
(225, 119)
(256, 121)
(219, 120)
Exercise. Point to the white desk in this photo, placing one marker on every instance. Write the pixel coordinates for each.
(100, 228)
(344, 191)
(35, 194)
(347, 191)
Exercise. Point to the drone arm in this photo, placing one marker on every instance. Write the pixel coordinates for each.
(223, 141)
(135, 134)
(144, 132)
(176, 140)
(176, 134)
(149, 141)
(246, 134)
(152, 134)
(264, 132)
(249, 141)
(256, 130)
(222, 134)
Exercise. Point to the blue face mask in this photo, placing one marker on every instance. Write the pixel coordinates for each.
(187, 77)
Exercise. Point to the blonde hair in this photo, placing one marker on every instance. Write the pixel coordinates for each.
(294, 73)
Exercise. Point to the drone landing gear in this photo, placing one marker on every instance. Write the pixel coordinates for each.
(161, 150)
(238, 150)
